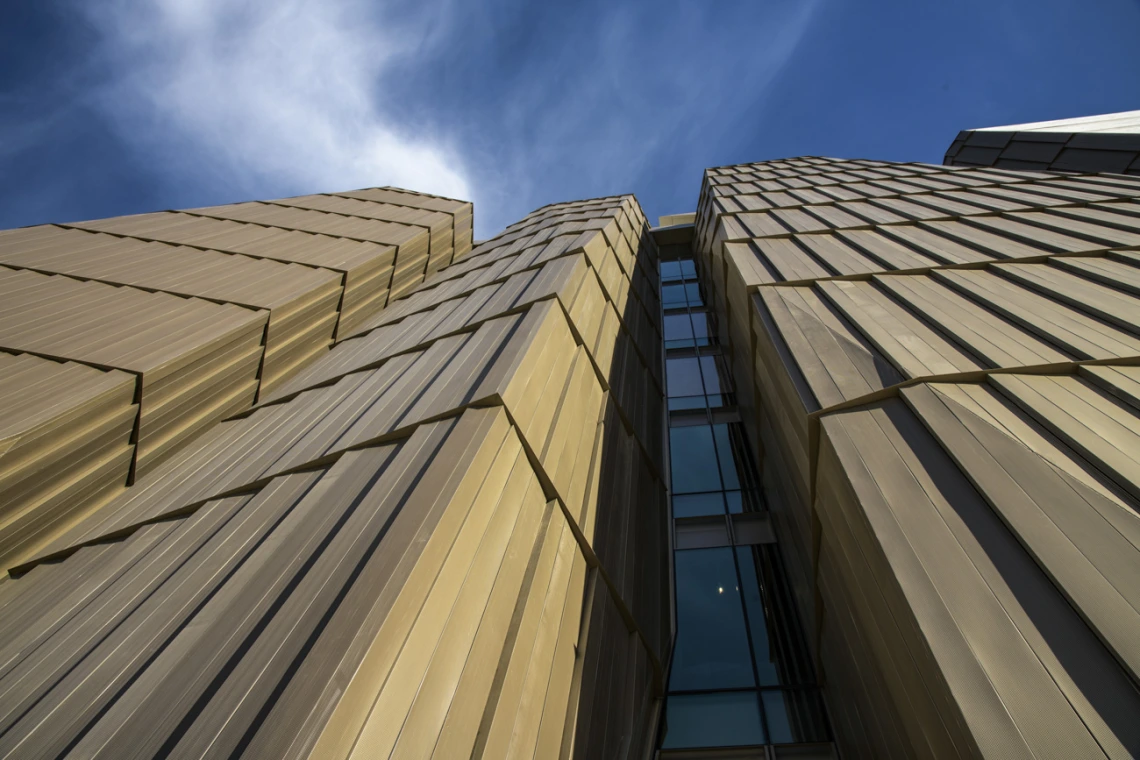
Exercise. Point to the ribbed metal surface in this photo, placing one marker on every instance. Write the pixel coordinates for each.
(365, 268)
(195, 361)
(939, 364)
(65, 440)
(460, 211)
(447, 537)
(206, 314)
(301, 301)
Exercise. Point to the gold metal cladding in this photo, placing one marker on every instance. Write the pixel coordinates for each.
(444, 535)
(204, 316)
(943, 366)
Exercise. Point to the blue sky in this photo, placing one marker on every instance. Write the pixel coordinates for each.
(123, 106)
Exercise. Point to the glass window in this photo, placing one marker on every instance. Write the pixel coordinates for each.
(757, 622)
(735, 628)
(678, 330)
(776, 710)
(712, 644)
(683, 377)
(701, 329)
(698, 504)
(693, 459)
(713, 720)
(795, 716)
(673, 296)
(670, 270)
(735, 503)
(711, 375)
(726, 457)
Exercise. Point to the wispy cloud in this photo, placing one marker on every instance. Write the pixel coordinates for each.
(268, 97)
(505, 102)
(595, 98)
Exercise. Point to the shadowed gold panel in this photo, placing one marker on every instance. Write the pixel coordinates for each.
(65, 440)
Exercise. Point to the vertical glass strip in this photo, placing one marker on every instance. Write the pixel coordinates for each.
(740, 674)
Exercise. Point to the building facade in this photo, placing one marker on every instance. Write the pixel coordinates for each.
(939, 369)
(1106, 143)
(844, 464)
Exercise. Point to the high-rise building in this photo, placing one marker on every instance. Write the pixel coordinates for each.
(844, 464)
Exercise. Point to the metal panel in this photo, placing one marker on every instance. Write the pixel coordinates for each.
(948, 416)
(422, 544)
(1102, 143)
(65, 445)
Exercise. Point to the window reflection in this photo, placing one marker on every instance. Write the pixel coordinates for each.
(694, 381)
(673, 296)
(678, 329)
(701, 334)
(681, 332)
(698, 504)
(776, 710)
(713, 720)
(712, 645)
(677, 270)
(795, 716)
(681, 294)
(735, 503)
(686, 402)
(712, 375)
(757, 622)
(683, 376)
(693, 459)
(726, 457)
(710, 458)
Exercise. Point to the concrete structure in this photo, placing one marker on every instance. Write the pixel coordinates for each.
(844, 464)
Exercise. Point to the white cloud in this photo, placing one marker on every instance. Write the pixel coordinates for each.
(638, 87)
(268, 96)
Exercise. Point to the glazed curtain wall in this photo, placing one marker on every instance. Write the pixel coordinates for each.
(940, 365)
(446, 537)
(741, 679)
